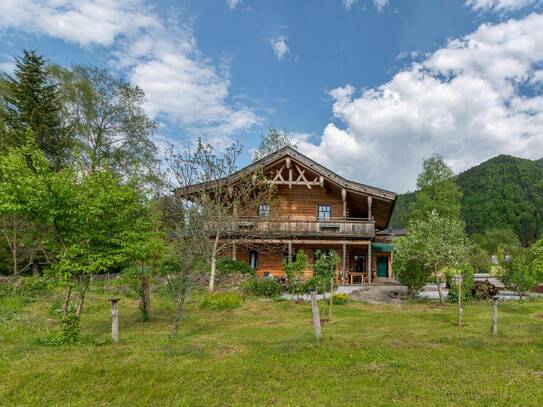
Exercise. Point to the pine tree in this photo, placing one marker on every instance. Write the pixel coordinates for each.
(31, 102)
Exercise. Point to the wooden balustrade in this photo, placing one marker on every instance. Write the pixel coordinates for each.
(355, 227)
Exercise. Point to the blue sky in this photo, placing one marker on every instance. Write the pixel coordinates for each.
(368, 87)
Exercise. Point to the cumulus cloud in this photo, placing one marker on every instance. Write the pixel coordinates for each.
(379, 4)
(466, 101)
(280, 47)
(233, 4)
(499, 5)
(163, 58)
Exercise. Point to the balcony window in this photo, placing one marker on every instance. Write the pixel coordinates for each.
(324, 212)
(253, 259)
(263, 211)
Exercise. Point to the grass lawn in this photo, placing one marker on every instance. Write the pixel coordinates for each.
(264, 354)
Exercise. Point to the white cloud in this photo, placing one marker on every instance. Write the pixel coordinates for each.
(499, 6)
(180, 83)
(280, 47)
(233, 4)
(379, 4)
(464, 101)
(348, 4)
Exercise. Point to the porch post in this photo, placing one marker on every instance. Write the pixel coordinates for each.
(234, 250)
(344, 198)
(369, 262)
(370, 203)
(290, 252)
(343, 263)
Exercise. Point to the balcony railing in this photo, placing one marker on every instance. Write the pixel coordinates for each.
(349, 227)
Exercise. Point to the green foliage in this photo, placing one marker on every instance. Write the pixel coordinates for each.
(324, 269)
(408, 269)
(466, 271)
(70, 327)
(523, 270)
(437, 191)
(294, 271)
(502, 193)
(340, 299)
(263, 287)
(492, 240)
(230, 266)
(222, 300)
(272, 141)
(32, 287)
(480, 260)
(32, 112)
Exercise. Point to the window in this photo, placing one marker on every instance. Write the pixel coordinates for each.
(263, 211)
(253, 259)
(324, 212)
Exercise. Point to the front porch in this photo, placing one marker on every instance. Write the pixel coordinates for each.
(356, 258)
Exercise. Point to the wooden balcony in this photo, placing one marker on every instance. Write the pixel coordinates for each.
(339, 227)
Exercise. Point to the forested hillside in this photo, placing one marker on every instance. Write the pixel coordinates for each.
(504, 192)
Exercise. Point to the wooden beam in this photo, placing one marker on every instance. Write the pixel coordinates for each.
(369, 263)
(370, 203)
(344, 199)
(305, 241)
(290, 252)
(290, 180)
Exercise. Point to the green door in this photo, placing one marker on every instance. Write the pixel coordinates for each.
(382, 266)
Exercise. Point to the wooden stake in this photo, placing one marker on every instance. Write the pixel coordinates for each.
(495, 315)
(459, 295)
(114, 320)
(315, 312)
(331, 298)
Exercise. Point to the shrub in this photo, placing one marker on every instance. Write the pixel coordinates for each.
(70, 327)
(263, 287)
(32, 287)
(340, 299)
(226, 300)
(484, 290)
(467, 284)
(229, 266)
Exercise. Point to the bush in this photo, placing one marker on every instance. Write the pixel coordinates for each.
(32, 287)
(70, 327)
(229, 266)
(226, 300)
(263, 287)
(467, 284)
(484, 290)
(340, 299)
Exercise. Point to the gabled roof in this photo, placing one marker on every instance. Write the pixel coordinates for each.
(314, 166)
(321, 170)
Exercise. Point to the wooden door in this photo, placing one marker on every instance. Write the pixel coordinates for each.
(382, 266)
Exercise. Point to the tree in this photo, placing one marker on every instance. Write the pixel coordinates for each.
(324, 268)
(437, 191)
(143, 247)
(111, 127)
(87, 214)
(491, 240)
(31, 102)
(409, 268)
(437, 242)
(479, 260)
(523, 269)
(209, 182)
(272, 141)
(294, 271)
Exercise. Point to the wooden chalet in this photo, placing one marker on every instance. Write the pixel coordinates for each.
(316, 209)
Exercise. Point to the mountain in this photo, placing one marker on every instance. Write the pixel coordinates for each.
(504, 192)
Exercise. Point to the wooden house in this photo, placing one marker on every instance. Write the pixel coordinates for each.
(315, 209)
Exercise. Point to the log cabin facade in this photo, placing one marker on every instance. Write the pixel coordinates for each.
(315, 209)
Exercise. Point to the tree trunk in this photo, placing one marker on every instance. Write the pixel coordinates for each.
(213, 264)
(35, 269)
(66, 303)
(14, 248)
(438, 287)
(82, 296)
(145, 295)
(179, 311)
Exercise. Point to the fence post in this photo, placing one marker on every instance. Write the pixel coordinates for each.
(459, 295)
(495, 315)
(315, 312)
(114, 320)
